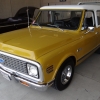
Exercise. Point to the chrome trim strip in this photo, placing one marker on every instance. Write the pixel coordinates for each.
(40, 87)
(35, 86)
(18, 74)
(89, 53)
(28, 61)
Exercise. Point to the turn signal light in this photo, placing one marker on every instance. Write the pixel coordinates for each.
(24, 83)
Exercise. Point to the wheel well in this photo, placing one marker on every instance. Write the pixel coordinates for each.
(71, 58)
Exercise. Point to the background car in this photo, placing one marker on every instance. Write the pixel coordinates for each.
(20, 20)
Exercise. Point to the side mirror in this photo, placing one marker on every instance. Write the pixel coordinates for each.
(90, 29)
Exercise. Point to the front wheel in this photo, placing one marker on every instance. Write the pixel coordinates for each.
(64, 75)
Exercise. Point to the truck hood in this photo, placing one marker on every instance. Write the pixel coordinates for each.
(33, 43)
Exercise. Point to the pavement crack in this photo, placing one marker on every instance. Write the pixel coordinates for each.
(86, 90)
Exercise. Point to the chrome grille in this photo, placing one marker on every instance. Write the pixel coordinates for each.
(14, 64)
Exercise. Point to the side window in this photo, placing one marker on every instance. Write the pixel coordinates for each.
(98, 17)
(89, 18)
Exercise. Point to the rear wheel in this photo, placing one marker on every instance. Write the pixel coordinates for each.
(64, 75)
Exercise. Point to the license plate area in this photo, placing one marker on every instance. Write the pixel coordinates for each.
(6, 75)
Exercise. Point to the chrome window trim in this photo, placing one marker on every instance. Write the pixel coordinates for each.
(27, 61)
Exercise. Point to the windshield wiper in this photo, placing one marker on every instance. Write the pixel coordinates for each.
(55, 26)
(37, 24)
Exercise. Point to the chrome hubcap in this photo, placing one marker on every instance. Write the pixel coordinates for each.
(66, 74)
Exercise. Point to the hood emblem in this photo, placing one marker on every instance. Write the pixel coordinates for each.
(1, 60)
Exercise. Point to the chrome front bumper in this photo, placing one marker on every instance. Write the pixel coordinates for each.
(36, 86)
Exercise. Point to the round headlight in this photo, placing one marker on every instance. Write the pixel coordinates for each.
(32, 70)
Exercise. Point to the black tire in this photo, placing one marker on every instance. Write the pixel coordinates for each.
(97, 51)
(58, 84)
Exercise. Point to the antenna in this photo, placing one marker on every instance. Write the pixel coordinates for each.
(28, 21)
(28, 16)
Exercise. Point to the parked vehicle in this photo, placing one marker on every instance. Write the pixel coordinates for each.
(46, 53)
(20, 20)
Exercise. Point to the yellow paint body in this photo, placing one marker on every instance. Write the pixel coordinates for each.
(48, 46)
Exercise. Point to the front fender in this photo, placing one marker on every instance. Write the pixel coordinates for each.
(54, 58)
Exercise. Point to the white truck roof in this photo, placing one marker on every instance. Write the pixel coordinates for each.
(78, 7)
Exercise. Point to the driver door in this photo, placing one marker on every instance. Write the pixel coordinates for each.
(89, 35)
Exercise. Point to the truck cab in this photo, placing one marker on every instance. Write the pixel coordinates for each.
(46, 53)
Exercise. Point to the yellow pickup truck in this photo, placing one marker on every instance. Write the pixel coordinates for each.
(46, 53)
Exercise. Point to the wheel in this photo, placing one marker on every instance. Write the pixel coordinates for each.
(64, 75)
(98, 51)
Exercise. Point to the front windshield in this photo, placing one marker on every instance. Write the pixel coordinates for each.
(64, 19)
